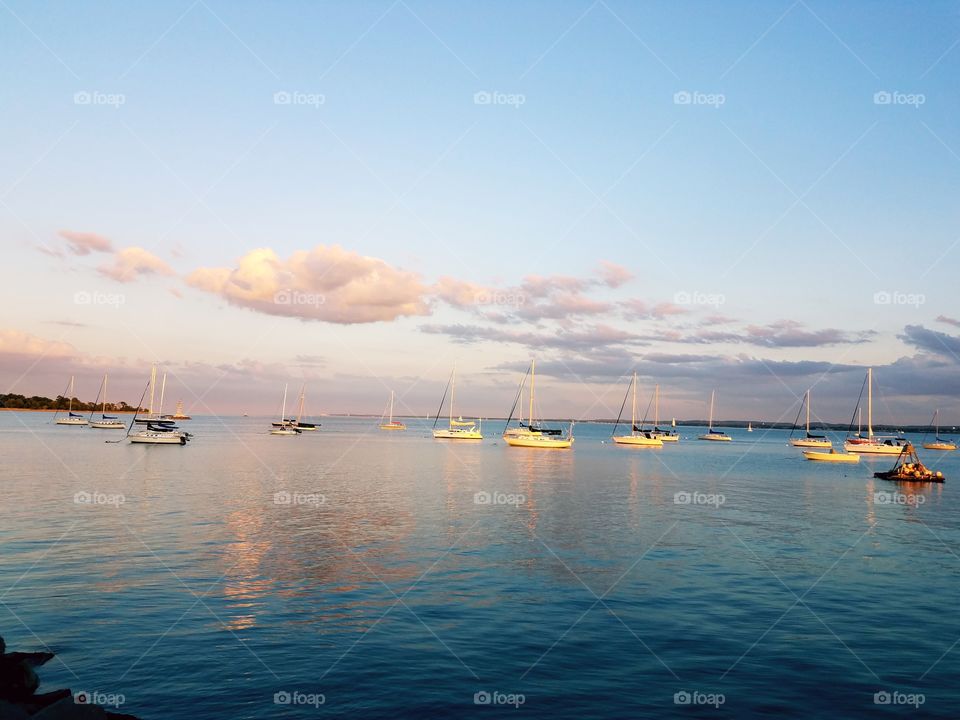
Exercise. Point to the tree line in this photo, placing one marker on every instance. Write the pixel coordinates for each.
(38, 402)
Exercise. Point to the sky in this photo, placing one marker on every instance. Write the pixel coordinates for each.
(752, 197)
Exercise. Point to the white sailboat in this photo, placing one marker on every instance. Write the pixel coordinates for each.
(872, 444)
(711, 434)
(749, 427)
(72, 418)
(285, 428)
(809, 440)
(391, 424)
(533, 434)
(638, 437)
(456, 429)
(299, 422)
(664, 435)
(158, 430)
(106, 422)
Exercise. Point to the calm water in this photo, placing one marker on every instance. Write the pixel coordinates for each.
(384, 587)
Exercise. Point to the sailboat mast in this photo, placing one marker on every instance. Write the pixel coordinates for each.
(391, 407)
(303, 389)
(869, 402)
(533, 372)
(633, 412)
(104, 410)
(808, 412)
(453, 389)
(283, 407)
(163, 389)
(153, 385)
(70, 399)
(656, 406)
(710, 424)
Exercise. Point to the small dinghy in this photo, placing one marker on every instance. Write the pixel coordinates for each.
(831, 456)
(909, 468)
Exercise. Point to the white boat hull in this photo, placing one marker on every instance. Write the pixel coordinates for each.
(872, 448)
(76, 422)
(832, 456)
(811, 443)
(939, 446)
(454, 434)
(665, 437)
(154, 438)
(107, 425)
(538, 441)
(715, 437)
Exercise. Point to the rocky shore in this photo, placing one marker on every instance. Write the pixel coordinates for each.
(19, 699)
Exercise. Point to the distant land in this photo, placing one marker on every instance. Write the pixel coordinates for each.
(37, 402)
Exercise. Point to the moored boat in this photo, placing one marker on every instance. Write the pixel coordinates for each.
(391, 424)
(638, 437)
(533, 434)
(284, 427)
(458, 429)
(72, 418)
(106, 422)
(831, 456)
(711, 434)
(872, 444)
(938, 443)
(809, 440)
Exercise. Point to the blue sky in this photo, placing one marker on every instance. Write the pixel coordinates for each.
(786, 188)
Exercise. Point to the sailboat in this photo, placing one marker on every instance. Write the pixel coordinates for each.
(810, 440)
(749, 427)
(458, 429)
(72, 418)
(938, 442)
(154, 415)
(391, 424)
(533, 434)
(663, 435)
(284, 428)
(299, 423)
(106, 422)
(711, 434)
(158, 431)
(872, 444)
(638, 437)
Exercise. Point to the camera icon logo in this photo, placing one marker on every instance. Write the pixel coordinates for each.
(482, 698)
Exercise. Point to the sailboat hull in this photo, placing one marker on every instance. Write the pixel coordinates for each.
(638, 441)
(714, 437)
(939, 446)
(393, 426)
(538, 441)
(457, 434)
(72, 421)
(667, 437)
(872, 448)
(107, 425)
(165, 438)
(811, 443)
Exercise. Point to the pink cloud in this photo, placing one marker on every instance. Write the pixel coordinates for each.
(326, 283)
(131, 262)
(613, 275)
(83, 243)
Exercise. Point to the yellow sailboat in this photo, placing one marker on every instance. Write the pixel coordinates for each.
(637, 437)
(459, 429)
(391, 424)
(938, 442)
(533, 435)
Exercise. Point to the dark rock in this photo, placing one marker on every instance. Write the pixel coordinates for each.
(12, 712)
(18, 681)
(32, 659)
(67, 709)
